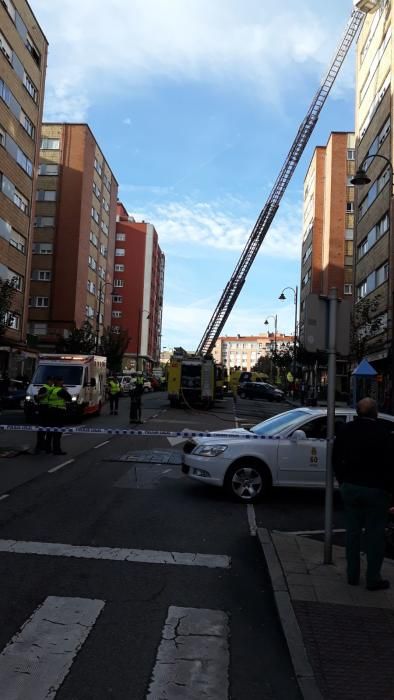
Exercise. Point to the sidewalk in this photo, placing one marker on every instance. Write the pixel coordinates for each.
(340, 637)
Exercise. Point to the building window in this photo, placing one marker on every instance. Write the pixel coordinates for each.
(13, 321)
(116, 314)
(120, 236)
(351, 154)
(91, 287)
(44, 221)
(48, 169)
(30, 87)
(21, 202)
(27, 124)
(115, 329)
(103, 250)
(118, 283)
(39, 302)
(10, 8)
(39, 328)
(349, 206)
(46, 195)
(17, 241)
(5, 48)
(373, 235)
(93, 239)
(44, 275)
(42, 248)
(92, 263)
(95, 215)
(98, 166)
(32, 49)
(104, 228)
(119, 268)
(96, 190)
(105, 205)
(374, 279)
(117, 300)
(50, 144)
(119, 252)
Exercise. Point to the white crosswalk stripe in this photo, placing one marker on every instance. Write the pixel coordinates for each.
(36, 661)
(193, 657)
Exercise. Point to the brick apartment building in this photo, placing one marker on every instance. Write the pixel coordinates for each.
(328, 221)
(374, 241)
(137, 303)
(23, 59)
(245, 350)
(74, 235)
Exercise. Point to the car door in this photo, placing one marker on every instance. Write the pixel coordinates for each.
(302, 462)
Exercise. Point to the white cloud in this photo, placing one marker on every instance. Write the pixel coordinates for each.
(133, 43)
(205, 226)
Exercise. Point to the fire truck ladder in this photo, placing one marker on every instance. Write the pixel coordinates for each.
(237, 280)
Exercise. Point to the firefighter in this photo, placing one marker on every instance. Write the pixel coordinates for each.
(114, 393)
(43, 397)
(58, 400)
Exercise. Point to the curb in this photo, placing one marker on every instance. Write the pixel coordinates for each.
(302, 667)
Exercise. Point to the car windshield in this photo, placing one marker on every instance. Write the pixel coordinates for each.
(277, 424)
(72, 375)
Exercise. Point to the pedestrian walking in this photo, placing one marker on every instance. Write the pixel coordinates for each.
(114, 393)
(135, 404)
(58, 400)
(362, 466)
(43, 398)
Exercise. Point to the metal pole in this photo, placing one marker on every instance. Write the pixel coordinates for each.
(98, 319)
(295, 339)
(331, 379)
(138, 339)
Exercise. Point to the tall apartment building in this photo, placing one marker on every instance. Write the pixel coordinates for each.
(23, 59)
(328, 221)
(245, 351)
(374, 241)
(137, 304)
(74, 235)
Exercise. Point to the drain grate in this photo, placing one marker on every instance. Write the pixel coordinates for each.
(149, 457)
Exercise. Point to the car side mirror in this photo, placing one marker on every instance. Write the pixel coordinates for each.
(298, 435)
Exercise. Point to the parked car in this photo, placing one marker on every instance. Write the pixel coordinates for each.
(288, 449)
(15, 398)
(260, 390)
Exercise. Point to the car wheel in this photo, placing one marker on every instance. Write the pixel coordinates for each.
(248, 481)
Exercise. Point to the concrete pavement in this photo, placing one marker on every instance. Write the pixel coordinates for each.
(340, 637)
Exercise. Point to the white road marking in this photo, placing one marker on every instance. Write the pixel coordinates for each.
(167, 471)
(307, 532)
(6, 495)
(193, 657)
(38, 658)
(101, 444)
(138, 556)
(60, 466)
(252, 519)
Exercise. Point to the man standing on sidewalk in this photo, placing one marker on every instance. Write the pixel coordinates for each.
(362, 466)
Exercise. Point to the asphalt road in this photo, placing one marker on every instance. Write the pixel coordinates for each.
(132, 580)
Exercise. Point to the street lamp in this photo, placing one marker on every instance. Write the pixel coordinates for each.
(361, 178)
(266, 323)
(282, 297)
(100, 294)
(140, 312)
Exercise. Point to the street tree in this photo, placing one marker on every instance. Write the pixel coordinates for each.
(8, 289)
(262, 365)
(365, 324)
(81, 340)
(113, 346)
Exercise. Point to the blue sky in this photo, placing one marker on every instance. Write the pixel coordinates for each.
(195, 104)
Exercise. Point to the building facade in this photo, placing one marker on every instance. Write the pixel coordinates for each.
(244, 351)
(328, 221)
(23, 59)
(373, 261)
(137, 304)
(74, 236)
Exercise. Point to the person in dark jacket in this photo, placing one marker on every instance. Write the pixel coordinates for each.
(362, 466)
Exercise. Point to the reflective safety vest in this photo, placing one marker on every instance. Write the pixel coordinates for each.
(56, 401)
(114, 387)
(45, 399)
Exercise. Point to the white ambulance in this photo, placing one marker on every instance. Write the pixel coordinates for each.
(84, 378)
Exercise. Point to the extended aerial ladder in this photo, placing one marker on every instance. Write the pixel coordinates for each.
(237, 280)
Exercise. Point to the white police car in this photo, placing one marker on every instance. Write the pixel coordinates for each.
(288, 449)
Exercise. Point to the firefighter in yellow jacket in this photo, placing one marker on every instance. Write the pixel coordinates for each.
(57, 410)
(113, 389)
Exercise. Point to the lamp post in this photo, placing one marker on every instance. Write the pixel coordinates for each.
(137, 359)
(266, 323)
(282, 297)
(100, 293)
(361, 178)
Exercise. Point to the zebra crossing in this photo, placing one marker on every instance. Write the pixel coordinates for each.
(192, 658)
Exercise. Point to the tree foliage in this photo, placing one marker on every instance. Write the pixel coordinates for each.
(364, 325)
(81, 340)
(263, 365)
(7, 294)
(113, 346)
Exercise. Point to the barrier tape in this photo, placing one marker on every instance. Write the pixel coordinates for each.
(76, 430)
